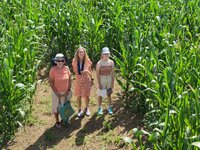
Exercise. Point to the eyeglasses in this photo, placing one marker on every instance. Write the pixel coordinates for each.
(60, 60)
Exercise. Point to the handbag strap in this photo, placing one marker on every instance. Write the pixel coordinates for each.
(59, 100)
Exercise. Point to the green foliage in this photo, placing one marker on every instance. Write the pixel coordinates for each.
(160, 65)
(20, 45)
(155, 45)
(108, 125)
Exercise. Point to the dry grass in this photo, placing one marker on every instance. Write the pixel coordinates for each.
(92, 132)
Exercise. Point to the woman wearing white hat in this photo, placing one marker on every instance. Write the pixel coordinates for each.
(105, 79)
(60, 82)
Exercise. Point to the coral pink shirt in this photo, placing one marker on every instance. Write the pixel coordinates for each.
(60, 78)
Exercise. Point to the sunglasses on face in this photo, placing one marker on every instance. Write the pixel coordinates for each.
(106, 54)
(60, 60)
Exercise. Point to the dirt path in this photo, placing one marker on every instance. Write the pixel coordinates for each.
(89, 133)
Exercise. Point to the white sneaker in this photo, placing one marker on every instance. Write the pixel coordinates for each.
(87, 112)
(80, 113)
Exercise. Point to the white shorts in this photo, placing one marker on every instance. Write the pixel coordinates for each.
(55, 101)
(106, 82)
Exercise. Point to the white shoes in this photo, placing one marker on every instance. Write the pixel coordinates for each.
(87, 112)
(80, 113)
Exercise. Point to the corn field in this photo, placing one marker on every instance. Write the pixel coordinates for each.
(155, 45)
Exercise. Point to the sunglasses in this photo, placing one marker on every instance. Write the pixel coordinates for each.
(60, 60)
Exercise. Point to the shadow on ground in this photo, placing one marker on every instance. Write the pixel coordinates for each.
(121, 117)
(52, 136)
(94, 124)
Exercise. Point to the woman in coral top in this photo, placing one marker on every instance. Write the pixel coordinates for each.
(82, 68)
(60, 82)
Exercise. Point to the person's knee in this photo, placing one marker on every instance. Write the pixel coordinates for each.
(99, 97)
(79, 98)
(109, 97)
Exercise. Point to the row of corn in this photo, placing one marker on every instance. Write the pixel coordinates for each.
(156, 49)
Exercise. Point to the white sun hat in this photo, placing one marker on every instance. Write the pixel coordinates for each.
(58, 56)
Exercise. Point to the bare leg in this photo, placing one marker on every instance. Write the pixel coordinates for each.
(80, 112)
(87, 100)
(100, 110)
(109, 105)
(109, 100)
(99, 100)
(79, 102)
(87, 111)
(56, 117)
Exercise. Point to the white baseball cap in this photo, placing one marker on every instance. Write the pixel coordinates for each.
(105, 50)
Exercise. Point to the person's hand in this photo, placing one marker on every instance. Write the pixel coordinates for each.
(82, 72)
(66, 94)
(58, 94)
(85, 72)
(109, 91)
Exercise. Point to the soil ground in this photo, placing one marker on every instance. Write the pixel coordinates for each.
(88, 133)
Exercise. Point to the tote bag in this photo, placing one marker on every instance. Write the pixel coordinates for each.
(66, 111)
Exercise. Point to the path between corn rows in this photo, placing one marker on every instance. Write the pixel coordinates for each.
(87, 133)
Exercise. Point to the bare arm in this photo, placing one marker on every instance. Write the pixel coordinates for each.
(98, 76)
(75, 70)
(69, 86)
(53, 87)
(90, 70)
(74, 67)
(92, 79)
(113, 75)
(70, 82)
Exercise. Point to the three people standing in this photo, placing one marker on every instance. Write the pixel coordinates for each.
(60, 81)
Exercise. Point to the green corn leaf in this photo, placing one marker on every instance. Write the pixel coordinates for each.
(197, 144)
(127, 140)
